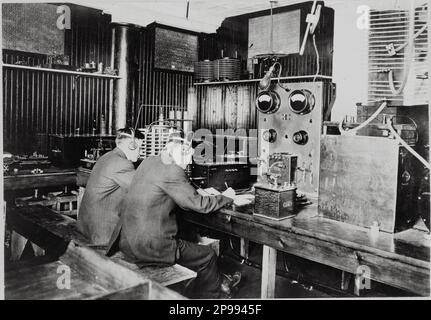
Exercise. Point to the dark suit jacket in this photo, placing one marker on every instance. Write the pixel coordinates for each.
(106, 187)
(148, 217)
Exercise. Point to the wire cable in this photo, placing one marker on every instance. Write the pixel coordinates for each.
(405, 145)
(414, 124)
(279, 75)
(409, 58)
(363, 124)
(415, 36)
(307, 30)
(137, 118)
(317, 58)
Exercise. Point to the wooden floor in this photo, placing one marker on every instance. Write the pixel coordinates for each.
(250, 285)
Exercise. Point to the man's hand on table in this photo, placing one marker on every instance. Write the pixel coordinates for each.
(240, 199)
(243, 199)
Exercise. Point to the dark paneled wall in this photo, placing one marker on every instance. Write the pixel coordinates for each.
(232, 39)
(44, 102)
(28, 58)
(227, 106)
(156, 87)
(233, 106)
(89, 38)
(40, 102)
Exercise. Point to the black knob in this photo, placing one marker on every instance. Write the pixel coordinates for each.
(300, 137)
(269, 135)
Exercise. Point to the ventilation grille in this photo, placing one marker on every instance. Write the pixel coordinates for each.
(392, 27)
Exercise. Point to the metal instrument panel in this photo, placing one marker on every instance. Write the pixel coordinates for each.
(286, 123)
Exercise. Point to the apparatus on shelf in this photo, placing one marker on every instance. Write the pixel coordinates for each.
(204, 71)
(227, 69)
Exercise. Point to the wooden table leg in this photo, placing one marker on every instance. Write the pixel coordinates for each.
(269, 264)
(244, 248)
(2, 244)
(38, 251)
(17, 245)
(81, 191)
(345, 280)
(357, 289)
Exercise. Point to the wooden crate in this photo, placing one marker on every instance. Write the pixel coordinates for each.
(274, 203)
(67, 204)
(360, 183)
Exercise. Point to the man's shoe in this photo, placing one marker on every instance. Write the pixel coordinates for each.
(230, 282)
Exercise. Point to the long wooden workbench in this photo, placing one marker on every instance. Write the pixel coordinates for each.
(49, 178)
(401, 260)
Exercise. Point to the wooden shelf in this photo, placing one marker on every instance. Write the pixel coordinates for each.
(87, 74)
(257, 80)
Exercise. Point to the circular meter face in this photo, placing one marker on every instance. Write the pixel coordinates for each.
(301, 101)
(268, 102)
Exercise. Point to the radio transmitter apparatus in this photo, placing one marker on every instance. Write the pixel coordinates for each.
(290, 125)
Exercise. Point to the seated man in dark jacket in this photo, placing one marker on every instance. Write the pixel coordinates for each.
(108, 183)
(148, 220)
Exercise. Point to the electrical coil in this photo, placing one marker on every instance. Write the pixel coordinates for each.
(204, 71)
(227, 69)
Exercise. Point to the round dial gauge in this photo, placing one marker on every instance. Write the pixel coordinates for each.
(268, 102)
(301, 101)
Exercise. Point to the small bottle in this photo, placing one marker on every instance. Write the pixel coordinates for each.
(102, 125)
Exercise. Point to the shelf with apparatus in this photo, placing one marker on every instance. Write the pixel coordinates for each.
(77, 73)
(320, 77)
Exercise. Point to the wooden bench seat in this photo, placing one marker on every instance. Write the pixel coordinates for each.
(82, 273)
(165, 276)
(47, 229)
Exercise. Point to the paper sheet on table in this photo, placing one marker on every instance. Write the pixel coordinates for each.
(208, 191)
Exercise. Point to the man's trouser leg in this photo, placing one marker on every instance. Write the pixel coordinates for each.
(203, 260)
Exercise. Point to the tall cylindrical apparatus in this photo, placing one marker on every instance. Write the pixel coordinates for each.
(125, 45)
